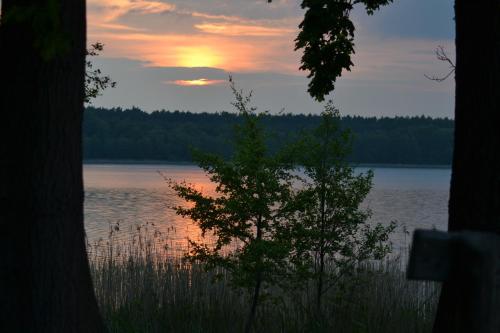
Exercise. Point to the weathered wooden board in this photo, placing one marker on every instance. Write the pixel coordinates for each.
(433, 252)
(430, 256)
(470, 261)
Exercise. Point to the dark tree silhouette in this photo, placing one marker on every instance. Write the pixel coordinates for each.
(45, 283)
(132, 134)
(475, 181)
(327, 38)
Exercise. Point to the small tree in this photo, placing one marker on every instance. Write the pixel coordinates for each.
(247, 213)
(330, 232)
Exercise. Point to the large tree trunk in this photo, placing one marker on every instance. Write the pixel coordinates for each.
(45, 283)
(475, 183)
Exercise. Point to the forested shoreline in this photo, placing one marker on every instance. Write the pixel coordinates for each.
(134, 135)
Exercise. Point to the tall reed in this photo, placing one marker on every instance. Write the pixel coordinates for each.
(141, 287)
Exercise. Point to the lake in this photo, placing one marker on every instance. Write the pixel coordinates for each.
(137, 197)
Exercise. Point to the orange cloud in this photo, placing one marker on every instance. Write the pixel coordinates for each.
(109, 10)
(231, 43)
(215, 17)
(242, 30)
(225, 52)
(196, 82)
(112, 26)
(150, 7)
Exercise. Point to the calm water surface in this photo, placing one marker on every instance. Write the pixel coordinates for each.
(138, 196)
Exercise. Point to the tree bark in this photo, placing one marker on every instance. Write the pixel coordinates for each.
(258, 282)
(475, 182)
(255, 301)
(45, 283)
(319, 289)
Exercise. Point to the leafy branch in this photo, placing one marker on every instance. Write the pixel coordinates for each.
(95, 81)
(327, 39)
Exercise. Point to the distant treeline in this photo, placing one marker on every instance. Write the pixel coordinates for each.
(133, 134)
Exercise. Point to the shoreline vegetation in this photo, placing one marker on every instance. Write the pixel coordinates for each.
(290, 232)
(134, 135)
(189, 163)
(141, 288)
(279, 259)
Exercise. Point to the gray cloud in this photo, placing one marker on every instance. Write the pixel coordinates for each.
(145, 87)
(186, 14)
(249, 9)
(411, 19)
(161, 23)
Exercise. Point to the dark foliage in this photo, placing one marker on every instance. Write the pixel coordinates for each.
(95, 81)
(327, 38)
(165, 135)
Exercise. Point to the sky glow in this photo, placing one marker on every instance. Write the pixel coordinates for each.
(194, 44)
(195, 83)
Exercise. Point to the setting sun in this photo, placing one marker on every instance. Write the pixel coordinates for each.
(198, 56)
(196, 82)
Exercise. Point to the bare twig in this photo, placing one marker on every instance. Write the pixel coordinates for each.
(441, 55)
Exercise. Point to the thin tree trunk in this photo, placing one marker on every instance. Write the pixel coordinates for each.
(255, 302)
(319, 291)
(45, 283)
(475, 183)
(258, 283)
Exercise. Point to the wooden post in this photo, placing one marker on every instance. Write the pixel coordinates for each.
(469, 261)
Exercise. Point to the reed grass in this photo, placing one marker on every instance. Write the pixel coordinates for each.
(140, 287)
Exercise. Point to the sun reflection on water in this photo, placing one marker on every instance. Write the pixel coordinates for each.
(139, 199)
(139, 196)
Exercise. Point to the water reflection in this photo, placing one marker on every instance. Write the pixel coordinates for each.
(138, 196)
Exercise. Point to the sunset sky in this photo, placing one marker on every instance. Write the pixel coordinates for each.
(178, 54)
